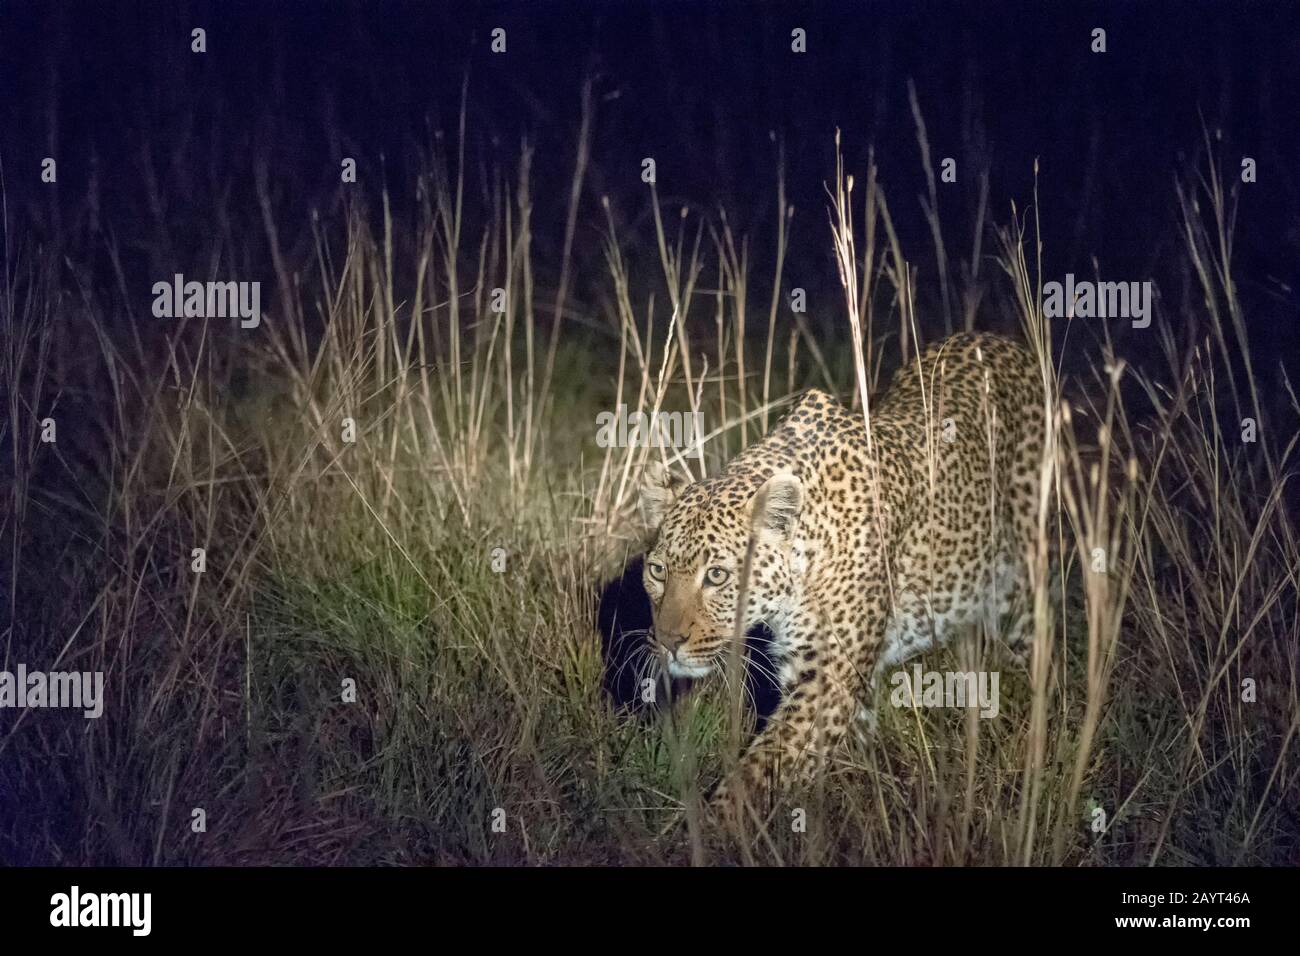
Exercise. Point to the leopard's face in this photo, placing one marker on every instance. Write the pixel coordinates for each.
(693, 572)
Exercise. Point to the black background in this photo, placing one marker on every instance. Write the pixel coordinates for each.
(708, 89)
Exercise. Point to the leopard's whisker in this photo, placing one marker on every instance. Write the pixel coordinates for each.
(634, 658)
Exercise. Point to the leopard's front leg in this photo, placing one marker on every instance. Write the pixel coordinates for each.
(788, 752)
(824, 683)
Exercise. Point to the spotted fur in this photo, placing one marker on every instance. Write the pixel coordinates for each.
(865, 551)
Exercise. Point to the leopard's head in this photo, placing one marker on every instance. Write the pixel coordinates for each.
(693, 570)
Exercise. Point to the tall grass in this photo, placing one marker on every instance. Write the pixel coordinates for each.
(399, 495)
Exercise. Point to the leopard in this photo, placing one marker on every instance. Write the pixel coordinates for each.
(860, 539)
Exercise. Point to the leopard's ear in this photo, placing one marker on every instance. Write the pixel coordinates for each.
(778, 503)
(659, 489)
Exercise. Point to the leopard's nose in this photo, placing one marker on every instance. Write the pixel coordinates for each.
(671, 642)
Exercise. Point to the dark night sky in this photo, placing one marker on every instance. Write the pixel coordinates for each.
(699, 87)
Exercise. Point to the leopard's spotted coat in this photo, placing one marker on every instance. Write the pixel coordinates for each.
(864, 554)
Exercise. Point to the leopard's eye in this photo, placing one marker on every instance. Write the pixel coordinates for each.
(656, 570)
(716, 576)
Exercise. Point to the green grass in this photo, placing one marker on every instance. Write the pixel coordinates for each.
(478, 690)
